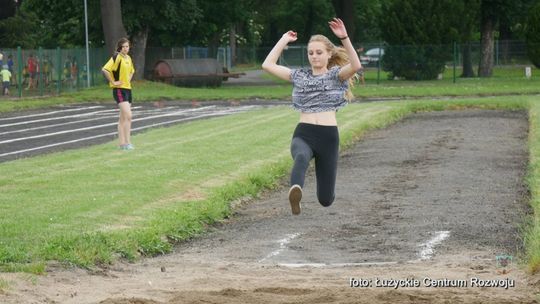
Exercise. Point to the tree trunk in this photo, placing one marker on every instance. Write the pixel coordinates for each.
(467, 60)
(113, 27)
(138, 52)
(345, 10)
(485, 69)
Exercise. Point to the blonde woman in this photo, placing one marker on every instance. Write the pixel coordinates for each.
(318, 92)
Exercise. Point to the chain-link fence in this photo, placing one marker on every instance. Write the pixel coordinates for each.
(382, 62)
(41, 72)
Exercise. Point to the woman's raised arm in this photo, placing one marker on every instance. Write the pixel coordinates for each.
(270, 63)
(347, 71)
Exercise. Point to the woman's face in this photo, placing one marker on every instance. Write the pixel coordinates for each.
(125, 48)
(318, 55)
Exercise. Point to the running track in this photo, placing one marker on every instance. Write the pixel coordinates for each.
(30, 133)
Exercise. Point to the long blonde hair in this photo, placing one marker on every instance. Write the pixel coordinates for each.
(338, 57)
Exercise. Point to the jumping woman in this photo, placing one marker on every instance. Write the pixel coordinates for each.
(318, 92)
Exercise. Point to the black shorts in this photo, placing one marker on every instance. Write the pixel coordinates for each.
(121, 95)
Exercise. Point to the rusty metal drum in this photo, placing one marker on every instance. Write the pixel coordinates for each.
(203, 72)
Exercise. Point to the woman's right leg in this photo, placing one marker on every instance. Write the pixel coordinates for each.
(124, 122)
(302, 154)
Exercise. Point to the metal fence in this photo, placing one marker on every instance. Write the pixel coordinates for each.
(507, 55)
(37, 72)
(41, 72)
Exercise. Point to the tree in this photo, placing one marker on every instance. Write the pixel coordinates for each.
(532, 35)
(465, 19)
(419, 35)
(21, 30)
(61, 22)
(488, 21)
(306, 17)
(511, 26)
(367, 21)
(165, 19)
(490, 16)
(224, 23)
(8, 8)
(346, 10)
(113, 25)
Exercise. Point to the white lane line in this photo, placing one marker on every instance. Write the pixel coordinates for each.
(114, 133)
(55, 118)
(100, 116)
(322, 265)
(50, 113)
(282, 246)
(90, 128)
(59, 124)
(428, 247)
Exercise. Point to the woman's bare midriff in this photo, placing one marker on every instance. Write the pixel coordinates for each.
(321, 118)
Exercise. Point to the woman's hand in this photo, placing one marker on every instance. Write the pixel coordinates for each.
(338, 27)
(290, 36)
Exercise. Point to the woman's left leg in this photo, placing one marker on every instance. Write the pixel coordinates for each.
(326, 160)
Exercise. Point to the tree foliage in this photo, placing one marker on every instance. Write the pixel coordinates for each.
(169, 22)
(61, 22)
(368, 13)
(419, 34)
(21, 30)
(306, 17)
(532, 35)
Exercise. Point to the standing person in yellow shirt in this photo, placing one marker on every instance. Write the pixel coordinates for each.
(119, 70)
(6, 76)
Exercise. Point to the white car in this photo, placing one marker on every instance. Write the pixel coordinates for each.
(371, 56)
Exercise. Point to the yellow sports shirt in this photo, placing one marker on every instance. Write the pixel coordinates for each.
(121, 69)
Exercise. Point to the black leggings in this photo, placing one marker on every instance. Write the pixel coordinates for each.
(322, 143)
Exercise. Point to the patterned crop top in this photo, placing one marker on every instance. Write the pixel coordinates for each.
(318, 93)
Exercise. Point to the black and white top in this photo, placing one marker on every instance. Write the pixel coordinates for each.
(318, 93)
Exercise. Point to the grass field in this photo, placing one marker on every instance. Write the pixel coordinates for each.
(92, 206)
(508, 81)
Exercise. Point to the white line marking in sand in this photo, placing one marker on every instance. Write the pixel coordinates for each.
(428, 247)
(282, 246)
(322, 265)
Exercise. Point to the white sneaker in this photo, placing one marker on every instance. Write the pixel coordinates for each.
(295, 196)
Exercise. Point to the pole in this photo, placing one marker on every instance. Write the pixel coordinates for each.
(40, 62)
(20, 65)
(379, 64)
(58, 70)
(454, 61)
(87, 49)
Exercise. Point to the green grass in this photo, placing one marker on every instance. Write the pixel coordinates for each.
(506, 81)
(532, 237)
(146, 91)
(93, 206)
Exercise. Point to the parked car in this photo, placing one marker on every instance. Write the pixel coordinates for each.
(371, 56)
